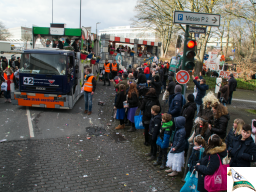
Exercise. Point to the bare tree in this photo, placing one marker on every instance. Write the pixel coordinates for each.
(4, 34)
(27, 36)
(156, 15)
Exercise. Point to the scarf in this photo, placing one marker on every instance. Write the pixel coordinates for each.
(87, 76)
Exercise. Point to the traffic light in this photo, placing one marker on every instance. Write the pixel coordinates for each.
(190, 53)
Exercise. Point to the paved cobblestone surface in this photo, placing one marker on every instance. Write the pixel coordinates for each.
(110, 161)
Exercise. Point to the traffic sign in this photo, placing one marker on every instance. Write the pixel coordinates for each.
(184, 17)
(182, 77)
(197, 30)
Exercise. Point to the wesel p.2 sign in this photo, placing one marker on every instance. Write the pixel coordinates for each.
(193, 18)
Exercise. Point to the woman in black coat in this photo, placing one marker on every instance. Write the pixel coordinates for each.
(211, 162)
(149, 100)
(220, 121)
(188, 112)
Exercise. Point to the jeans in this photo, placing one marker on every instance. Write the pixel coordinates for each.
(88, 100)
(198, 109)
(230, 97)
(7, 94)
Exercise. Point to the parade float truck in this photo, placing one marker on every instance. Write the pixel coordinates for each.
(48, 77)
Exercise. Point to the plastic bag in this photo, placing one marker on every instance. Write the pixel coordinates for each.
(138, 121)
(4, 86)
(191, 183)
(166, 95)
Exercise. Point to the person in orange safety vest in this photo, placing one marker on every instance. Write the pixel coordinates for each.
(89, 89)
(107, 68)
(114, 69)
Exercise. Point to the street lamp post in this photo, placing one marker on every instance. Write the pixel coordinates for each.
(97, 38)
(52, 11)
(96, 29)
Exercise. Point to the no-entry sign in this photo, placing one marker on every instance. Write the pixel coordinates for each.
(182, 77)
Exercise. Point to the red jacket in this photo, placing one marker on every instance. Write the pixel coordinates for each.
(147, 70)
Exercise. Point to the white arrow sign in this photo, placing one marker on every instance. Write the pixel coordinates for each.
(184, 17)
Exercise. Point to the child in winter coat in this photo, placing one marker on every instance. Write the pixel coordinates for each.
(120, 113)
(176, 155)
(163, 139)
(215, 152)
(154, 127)
(197, 152)
(243, 149)
(236, 130)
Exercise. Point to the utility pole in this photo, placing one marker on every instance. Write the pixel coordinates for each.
(80, 13)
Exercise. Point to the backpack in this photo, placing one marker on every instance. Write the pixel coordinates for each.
(148, 106)
(183, 101)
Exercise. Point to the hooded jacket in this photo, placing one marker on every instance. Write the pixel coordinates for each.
(204, 111)
(232, 83)
(156, 85)
(209, 164)
(230, 138)
(224, 92)
(220, 126)
(176, 105)
(165, 134)
(155, 125)
(179, 140)
(201, 92)
(242, 152)
(188, 112)
(142, 78)
(171, 86)
(147, 98)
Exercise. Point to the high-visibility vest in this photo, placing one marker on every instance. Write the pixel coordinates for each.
(114, 67)
(107, 67)
(6, 77)
(88, 87)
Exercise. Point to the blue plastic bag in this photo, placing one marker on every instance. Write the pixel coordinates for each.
(187, 176)
(191, 183)
(138, 121)
(159, 141)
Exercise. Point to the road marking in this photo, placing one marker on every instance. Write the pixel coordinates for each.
(244, 100)
(30, 125)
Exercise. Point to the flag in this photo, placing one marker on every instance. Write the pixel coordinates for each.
(239, 180)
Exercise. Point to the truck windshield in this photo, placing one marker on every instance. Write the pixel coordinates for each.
(43, 64)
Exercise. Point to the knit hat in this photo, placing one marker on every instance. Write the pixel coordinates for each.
(196, 77)
(231, 75)
(170, 78)
(172, 74)
(191, 98)
(177, 89)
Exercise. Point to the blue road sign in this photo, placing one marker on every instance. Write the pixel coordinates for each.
(180, 17)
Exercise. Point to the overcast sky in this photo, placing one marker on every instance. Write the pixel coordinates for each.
(110, 13)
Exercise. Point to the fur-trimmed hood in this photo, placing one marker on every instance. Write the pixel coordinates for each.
(218, 149)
